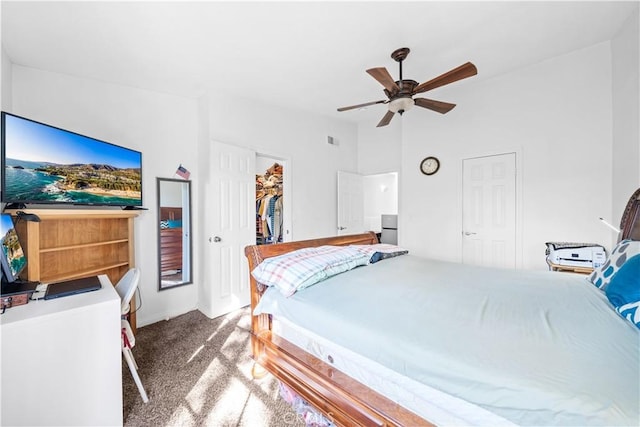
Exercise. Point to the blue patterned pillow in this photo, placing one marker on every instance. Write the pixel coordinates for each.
(621, 253)
(623, 290)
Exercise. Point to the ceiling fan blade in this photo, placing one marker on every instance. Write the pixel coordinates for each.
(351, 107)
(386, 119)
(439, 106)
(462, 72)
(382, 75)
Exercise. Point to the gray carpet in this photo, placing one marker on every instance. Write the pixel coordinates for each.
(197, 372)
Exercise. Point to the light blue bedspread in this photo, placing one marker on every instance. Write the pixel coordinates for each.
(535, 347)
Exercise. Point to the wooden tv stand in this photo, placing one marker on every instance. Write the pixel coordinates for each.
(72, 243)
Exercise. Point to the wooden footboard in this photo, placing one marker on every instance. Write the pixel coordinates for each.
(340, 398)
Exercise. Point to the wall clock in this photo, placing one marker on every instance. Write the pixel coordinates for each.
(429, 165)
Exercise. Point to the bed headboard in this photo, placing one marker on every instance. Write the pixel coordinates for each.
(257, 253)
(630, 221)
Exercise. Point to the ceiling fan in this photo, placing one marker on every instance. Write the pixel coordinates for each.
(401, 92)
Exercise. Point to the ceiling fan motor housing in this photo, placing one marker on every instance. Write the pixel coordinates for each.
(405, 89)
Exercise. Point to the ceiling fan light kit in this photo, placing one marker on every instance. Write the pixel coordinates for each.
(400, 92)
(400, 105)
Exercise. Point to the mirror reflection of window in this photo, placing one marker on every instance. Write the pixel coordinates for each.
(174, 228)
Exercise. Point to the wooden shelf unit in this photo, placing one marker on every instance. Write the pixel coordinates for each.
(73, 243)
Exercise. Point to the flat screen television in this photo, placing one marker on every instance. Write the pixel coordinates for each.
(43, 164)
(12, 256)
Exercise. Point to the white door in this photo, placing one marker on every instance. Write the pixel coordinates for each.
(231, 226)
(489, 210)
(350, 203)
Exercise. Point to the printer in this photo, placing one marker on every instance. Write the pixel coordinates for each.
(576, 254)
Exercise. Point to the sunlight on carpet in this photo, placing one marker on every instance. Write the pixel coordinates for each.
(229, 405)
(204, 376)
(220, 327)
(198, 350)
(235, 401)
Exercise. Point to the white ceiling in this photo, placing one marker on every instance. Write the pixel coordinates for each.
(305, 55)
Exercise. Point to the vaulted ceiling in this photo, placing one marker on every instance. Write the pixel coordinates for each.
(305, 55)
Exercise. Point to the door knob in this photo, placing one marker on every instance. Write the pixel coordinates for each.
(469, 233)
(342, 228)
(217, 239)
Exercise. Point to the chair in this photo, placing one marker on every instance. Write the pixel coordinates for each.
(126, 287)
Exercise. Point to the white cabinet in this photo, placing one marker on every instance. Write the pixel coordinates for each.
(61, 361)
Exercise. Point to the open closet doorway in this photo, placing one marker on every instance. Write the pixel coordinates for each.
(272, 219)
(377, 199)
(381, 205)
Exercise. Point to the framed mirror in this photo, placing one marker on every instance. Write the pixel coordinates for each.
(174, 233)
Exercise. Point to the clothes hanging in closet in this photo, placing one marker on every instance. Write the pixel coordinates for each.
(269, 218)
(269, 205)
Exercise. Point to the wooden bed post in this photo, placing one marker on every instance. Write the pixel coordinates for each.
(260, 324)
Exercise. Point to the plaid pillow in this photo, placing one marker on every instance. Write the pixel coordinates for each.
(302, 268)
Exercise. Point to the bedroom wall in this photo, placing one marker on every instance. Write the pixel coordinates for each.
(379, 149)
(557, 115)
(170, 130)
(625, 48)
(163, 127)
(5, 87)
(301, 139)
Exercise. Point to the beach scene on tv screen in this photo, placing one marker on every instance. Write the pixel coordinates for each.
(49, 165)
(11, 246)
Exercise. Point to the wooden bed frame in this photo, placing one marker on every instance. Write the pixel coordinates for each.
(170, 241)
(630, 221)
(340, 398)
